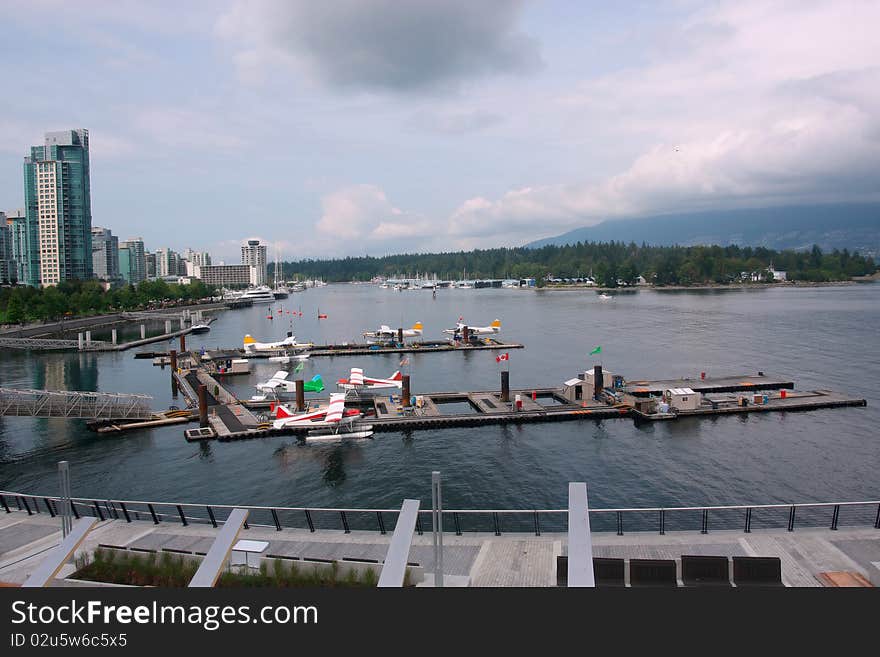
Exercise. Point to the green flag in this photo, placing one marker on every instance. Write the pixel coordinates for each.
(597, 350)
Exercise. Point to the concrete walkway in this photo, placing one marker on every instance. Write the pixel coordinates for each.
(476, 559)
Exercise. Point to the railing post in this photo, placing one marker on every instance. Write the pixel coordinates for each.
(344, 522)
(153, 513)
(73, 509)
(705, 528)
(835, 517)
(125, 512)
(5, 505)
(748, 528)
(49, 506)
(497, 523)
(277, 522)
(437, 527)
(182, 517)
(537, 524)
(662, 522)
(620, 523)
(309, 520)
(418, 525)
(98, 509)
(877, 519)
(211, 516)
(381, 523)
(457, 525)
(27, 506)
(791, 518)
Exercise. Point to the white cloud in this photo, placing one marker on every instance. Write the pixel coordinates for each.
(751, 104)
(362, 216)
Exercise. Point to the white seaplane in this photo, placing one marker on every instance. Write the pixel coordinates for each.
(387, 333)
(283, 387)
(251, 345)
(364, 385)
(494, 327)
(332, 422)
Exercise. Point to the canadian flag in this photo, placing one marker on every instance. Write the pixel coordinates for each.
(501, 357)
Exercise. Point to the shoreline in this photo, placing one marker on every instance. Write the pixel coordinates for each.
(675, 288)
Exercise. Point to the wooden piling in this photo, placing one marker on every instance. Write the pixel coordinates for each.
(203, 405)
(183, 343)
(300, 396)
(404, 393)
(505, 386)
(173, 356)
(465, 334)
(597, 382)
(400, 336)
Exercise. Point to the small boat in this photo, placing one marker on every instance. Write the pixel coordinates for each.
(200, 328)
(605, 297)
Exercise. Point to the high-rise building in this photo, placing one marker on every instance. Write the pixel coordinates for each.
(167, 263)
(58, 206)
(254, 254)
(8, 268)
(132, 260)
(150, 265)
(16, 220)
(105, 254)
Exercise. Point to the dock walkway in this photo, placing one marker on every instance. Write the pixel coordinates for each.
(475, 559)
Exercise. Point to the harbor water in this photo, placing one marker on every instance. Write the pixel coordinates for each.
(819, 337)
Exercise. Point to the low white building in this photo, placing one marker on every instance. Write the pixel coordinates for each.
(682, 399)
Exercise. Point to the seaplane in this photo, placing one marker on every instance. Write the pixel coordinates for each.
(386, 333)
(494, 327)
(364, 385)
(282, 386)
(332, 422)
(251, 345)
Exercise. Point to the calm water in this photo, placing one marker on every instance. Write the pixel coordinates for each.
(819, 337)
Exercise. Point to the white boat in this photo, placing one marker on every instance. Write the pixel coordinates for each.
(605, 297)
(200, 328)
(262, 294)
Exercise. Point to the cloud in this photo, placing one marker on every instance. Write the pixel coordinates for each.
(749, 105)
(454, 123)
(361, 217)
(384, 45)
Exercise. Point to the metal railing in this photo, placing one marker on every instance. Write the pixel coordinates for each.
(498, 521)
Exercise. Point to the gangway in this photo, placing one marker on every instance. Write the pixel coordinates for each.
(74, 404)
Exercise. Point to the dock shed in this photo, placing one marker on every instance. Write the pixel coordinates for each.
(682, 399)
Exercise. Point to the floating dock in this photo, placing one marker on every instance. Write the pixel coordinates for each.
(468, 409)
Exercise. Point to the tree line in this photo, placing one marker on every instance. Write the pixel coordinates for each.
(72, 298)
(609, 263)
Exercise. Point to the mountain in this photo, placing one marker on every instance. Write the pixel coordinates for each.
(854, 226)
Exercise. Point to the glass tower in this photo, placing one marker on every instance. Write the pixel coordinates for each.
(58, 209)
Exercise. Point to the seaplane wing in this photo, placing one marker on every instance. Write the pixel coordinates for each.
(280, 375)
(336, 409)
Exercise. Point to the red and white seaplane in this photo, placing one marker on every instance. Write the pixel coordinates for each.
(364, 385)
(331, 422)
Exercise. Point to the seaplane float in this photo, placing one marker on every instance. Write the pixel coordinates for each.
(333, 422)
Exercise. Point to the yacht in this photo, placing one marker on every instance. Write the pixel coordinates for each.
(262, 294)
(200, 328)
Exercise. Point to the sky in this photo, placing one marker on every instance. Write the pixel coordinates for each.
(353, 127)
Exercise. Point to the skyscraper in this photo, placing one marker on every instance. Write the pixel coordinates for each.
(58, 205)
(17, 222)
(132, 260)
(8, 268)
(254, 254)
(105, 254)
